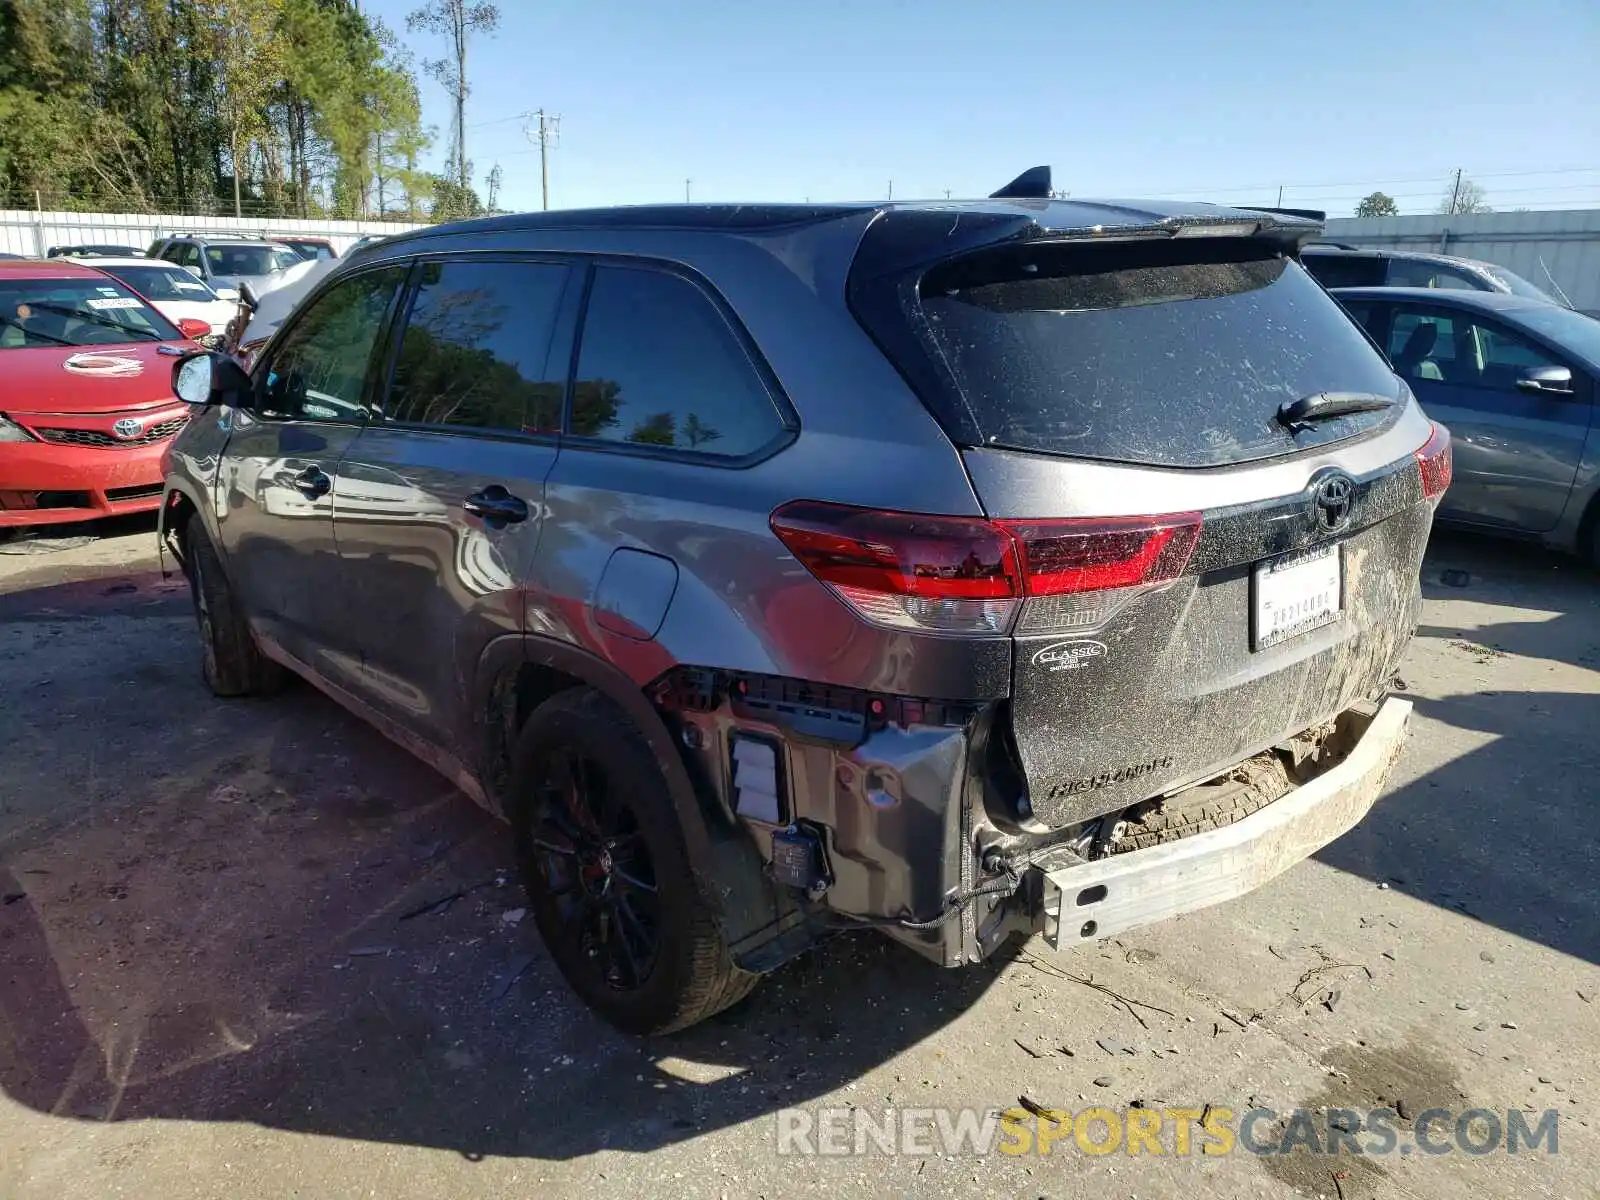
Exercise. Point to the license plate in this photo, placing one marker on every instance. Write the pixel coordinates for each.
(1297, 594)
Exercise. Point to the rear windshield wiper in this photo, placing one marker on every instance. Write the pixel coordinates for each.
(1300, 414)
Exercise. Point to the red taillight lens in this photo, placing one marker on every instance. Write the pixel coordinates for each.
(1090, 555)
(907, 570)
(1435, 462)
(970, 575)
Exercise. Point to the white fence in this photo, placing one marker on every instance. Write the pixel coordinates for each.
(30, 233)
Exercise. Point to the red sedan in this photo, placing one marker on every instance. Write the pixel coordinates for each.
(86, 402)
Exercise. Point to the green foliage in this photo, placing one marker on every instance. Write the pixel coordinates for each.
(1379, 204)
(265, 107)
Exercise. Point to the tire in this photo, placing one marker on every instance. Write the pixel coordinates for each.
(607, 871)
(230, 660)
(1249, 788)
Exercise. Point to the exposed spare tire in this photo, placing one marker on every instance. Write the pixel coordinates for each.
(1249, 787)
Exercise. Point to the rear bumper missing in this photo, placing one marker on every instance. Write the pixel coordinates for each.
(1089, 900)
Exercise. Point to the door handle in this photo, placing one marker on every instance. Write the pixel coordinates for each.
(496, 506)
(313, 483)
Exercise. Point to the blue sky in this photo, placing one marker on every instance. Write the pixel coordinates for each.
(1223, 100)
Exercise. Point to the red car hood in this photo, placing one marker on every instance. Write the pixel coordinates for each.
(87, 379)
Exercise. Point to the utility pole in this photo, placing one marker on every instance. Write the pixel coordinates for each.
(686, 184)
(1455, 192)
(891, 189)
(544, 135)
(1280, 195)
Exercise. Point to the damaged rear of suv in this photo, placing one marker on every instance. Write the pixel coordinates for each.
(959, 570)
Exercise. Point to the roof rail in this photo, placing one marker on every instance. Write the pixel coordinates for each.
(1330, 245)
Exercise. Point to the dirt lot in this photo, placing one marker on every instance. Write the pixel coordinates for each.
(210, 984)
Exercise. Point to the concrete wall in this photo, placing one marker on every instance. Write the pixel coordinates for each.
(1562, 245)
(26, 232)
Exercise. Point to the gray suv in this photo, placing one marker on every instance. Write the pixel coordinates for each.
(956, 570)
(225, 262)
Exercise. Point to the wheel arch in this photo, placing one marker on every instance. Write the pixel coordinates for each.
(517, 672)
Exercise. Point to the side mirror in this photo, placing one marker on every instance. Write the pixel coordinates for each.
(207, 378)
(227, 293)
(1547, 380)
(192, 328)
(195, 271)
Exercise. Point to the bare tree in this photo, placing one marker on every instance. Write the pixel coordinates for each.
(495, 177)
(1464, 196)
(456, 20)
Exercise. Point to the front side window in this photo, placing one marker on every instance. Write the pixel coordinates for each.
(318, 371)
(476, 348)
(659, 366)
(1458, 350)
(1420, 273)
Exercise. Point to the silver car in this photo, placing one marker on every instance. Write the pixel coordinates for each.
(955, 570)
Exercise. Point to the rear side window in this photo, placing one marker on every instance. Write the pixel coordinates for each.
(659, 366)
(1344, 270)
(476, 348)
(1170, 354)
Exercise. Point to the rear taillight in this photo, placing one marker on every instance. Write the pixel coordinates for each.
(1096, 553)
(1434, 462)
(967, 575)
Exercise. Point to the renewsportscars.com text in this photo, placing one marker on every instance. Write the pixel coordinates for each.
(1172, 1130)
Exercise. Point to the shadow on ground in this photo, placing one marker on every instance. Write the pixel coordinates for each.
(205, 916)
(1504, 833)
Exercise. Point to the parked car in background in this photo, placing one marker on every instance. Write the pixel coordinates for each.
(1336, 266)
(309, 247)
(225, 262)
(931, 602)
(98, 249)
(1514, 380)
(265, 309)
(176, 293)
(86, 401)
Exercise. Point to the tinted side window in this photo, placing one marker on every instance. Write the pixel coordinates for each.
(1343, 270)
(1422, 345)
(1408, 272)
(318, 371)
(660, 366)
(1462, 351)
(476, 348)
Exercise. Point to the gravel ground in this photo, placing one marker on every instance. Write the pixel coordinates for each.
(210, 984)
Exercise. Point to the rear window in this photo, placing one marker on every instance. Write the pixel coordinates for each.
(1169, 354)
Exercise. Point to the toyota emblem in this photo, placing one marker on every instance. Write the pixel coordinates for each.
(1335, 497)
(127, 429)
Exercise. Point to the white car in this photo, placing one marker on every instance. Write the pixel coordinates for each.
(175, 292)
(275, 299)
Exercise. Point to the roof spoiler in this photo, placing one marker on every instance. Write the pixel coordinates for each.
(1306, 214)
(1032, 184)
